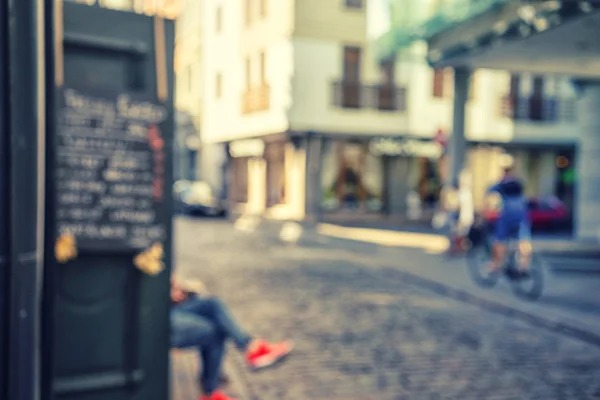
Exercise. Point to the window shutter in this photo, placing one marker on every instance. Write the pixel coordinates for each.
(448, 87)
(438, 83)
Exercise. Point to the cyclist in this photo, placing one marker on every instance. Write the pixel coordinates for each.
(513, 219)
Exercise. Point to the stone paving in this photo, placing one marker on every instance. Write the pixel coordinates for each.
(363, 332)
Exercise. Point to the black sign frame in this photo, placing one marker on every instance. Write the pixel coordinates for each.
(109, 170)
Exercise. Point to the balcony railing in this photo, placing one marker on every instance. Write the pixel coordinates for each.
(256, 99)
(379, 97)
(535, 108)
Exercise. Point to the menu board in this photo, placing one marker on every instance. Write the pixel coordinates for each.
(109, 170)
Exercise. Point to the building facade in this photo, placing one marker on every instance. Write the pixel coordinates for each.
(532, 116)
(301, 116)
(166, 8)
(544, 39)
(188, 89)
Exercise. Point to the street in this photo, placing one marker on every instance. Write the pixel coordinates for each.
(363, 331)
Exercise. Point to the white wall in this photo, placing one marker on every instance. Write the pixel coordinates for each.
(188, 56)
(484, 119)
(225, 53)
(318, 64)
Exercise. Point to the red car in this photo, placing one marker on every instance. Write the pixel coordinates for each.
(544, 212)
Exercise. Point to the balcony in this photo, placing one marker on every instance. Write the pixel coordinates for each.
(256, 99)
(541, 109)
(352, 95)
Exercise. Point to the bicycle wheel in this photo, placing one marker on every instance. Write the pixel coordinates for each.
(530, 285)
(478, 261)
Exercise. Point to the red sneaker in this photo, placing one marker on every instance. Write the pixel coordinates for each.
(263, 354)
(217, 395)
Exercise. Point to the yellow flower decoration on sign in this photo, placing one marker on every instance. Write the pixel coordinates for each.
(150, 260)
(65, 249)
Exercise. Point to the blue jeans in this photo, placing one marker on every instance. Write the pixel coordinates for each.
(205, 323)
(515, 226)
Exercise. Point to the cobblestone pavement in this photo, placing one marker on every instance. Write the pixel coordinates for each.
(362, 332)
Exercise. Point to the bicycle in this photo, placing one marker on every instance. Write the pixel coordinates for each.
(527, 285)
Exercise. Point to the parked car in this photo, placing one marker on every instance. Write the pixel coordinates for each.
(544, 212)
(197, 198)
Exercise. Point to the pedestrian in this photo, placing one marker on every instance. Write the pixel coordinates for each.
(205, 323)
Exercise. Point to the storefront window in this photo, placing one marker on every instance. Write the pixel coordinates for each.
(239, 184)
(352, 177)
(429, 184)
(275, 157)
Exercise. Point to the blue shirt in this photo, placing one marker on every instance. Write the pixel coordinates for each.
(512, 192)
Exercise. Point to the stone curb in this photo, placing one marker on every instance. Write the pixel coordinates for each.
(585, 335)
(558, 326)
(545, 248)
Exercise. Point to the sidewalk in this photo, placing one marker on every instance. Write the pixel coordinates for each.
(569, 304)
(546, 244)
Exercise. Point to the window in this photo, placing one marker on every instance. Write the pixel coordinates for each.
(351, 87)
(263, 8)
(386, 99)
(538, 86)
(388, 72)
(354, 3)
(443, 82)
(515, 85)
(536, 102)
(275, 158)
(219, 19)
(448, 82)
(438, 82)
(352, 177)
(248, 73)
(248, 12)
(218, 86)
(239, 187)
(262, 61)
(352, 58)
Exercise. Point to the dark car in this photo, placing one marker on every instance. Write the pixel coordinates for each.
(544, 213)
(196, 198)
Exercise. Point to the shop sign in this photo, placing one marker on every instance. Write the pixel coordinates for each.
(247, 148)
(406, 147)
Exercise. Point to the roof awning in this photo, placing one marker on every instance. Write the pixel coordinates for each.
(448, 16)
(551, 37)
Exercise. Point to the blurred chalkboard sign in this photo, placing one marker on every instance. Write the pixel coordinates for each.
(109, 170)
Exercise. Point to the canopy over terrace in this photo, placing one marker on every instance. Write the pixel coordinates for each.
(541, 37)
(545, 37)
(446, 16)
(548, 37)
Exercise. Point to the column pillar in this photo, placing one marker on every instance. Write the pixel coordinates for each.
(314, 195)
(398, 184)
(457, 144)
(587, 185)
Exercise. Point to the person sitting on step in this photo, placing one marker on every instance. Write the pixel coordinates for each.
(204, 322)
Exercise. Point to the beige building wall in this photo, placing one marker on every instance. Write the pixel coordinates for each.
(257, 186)
(251, 41)
(294, 207)
(188, 60)
(319, 39)
(330, 20)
